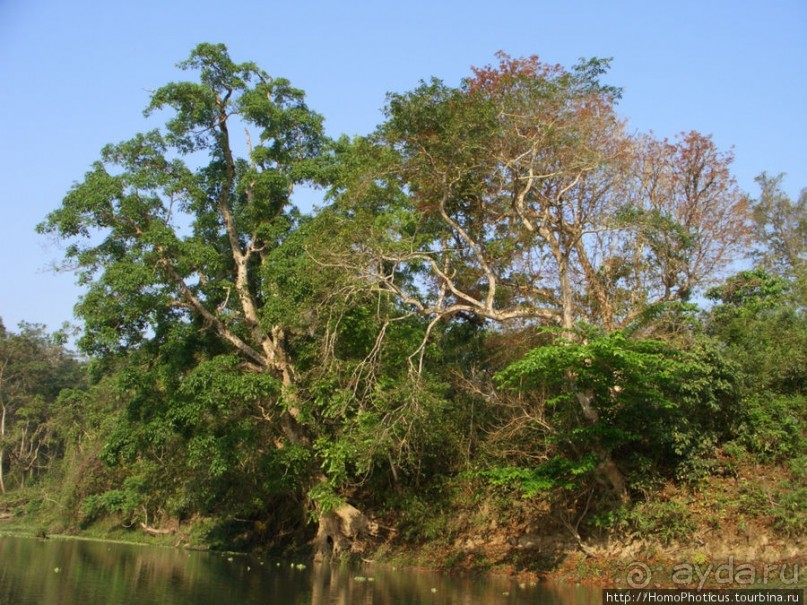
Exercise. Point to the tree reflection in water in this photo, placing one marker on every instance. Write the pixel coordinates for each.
(68, 572)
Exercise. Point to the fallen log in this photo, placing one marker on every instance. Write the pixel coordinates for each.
(153, 531)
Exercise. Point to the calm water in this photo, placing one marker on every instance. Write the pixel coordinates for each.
(68, 572)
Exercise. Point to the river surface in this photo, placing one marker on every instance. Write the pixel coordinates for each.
(79, 572)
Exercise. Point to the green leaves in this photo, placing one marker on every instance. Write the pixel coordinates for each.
(762, 329)
(612, 365)
(556, 473)
(34, 369)
(749, 292)
(412, 329)
(651, 400)
(218, 384)
(781, 230)
(218, 72)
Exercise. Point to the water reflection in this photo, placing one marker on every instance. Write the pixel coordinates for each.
(81, 572)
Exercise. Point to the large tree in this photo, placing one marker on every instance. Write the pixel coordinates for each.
(520, 195)
(173, 232)
(780, 227)
(519, 198)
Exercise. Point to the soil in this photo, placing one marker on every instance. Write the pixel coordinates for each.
(732, 539)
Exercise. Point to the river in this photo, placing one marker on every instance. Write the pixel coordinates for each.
(80, 572)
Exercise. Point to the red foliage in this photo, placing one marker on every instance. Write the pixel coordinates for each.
(509, 72)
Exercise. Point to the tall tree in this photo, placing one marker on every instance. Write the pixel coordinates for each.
(520, 197)
(781, 232)
(688, 217)
(172, 232)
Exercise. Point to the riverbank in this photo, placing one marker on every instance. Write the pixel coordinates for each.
(742, 561)
(743, 525)
(744, 528)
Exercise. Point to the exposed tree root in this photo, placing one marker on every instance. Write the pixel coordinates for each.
(340, 531)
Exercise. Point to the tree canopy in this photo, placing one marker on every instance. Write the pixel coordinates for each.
(501, 285)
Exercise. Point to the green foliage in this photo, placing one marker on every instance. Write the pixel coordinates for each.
(658, 409)
(324, 497)
(34, 369)
(186, 303)
(773, 426)
(789, 512)
(668, 521)
(766, 336)
(614, 367)
(252, 365)
(422, 517)
(125, 502)
(558, 472)
(754, 499)
(762, 330)
(781, 234)
(748, 293)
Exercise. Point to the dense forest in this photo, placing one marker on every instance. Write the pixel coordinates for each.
(510, 312)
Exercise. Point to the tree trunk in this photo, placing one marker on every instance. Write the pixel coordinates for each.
(340, 531)
(2, 450)
(607, 467)
(567, 297)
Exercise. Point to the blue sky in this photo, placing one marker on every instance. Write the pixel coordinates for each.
(74, 76)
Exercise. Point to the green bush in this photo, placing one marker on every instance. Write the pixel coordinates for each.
(773, 425)
(666, 521)
(790, 511)
(754, 500)
(557, 472)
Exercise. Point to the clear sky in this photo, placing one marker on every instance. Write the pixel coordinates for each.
(74, 76)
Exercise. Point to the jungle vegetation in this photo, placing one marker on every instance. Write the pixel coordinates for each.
(505, 293)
